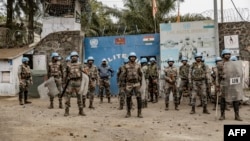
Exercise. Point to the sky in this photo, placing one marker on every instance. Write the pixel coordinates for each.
(193, 6)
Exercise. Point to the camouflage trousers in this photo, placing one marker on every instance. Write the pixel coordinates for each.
(153, 86)
(168, 89)
(23, 89)
(133, 88)
(199, 87)
(122, 91)
(104, 85)
(73, 87)
(92, 87)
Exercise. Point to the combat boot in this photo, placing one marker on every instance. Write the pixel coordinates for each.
(26, 98)
(101, 99)
(109, 100)
(121, 106)
(151, 98)
(128, 100)
(20, 98)
(205, 111)
(60, 104)
(20, 102)
(166, 108)
(236, 110)
(91, 105)
(66, 112)
(193, 110)
(176, 107)
(81, 113)
(222, 116)
(139, 106)
(156, 99)
(51, 106)
(237, 116)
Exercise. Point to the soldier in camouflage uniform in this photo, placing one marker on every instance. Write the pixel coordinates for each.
(144, 67)
(152, 76)
(25, 80)
(105, 73)
(55, 69)
(133, 77)
(171, 77)
(73, 80)
(121, 84)
(92, 72)
(198, 75)
(183, 73)
(226, 54)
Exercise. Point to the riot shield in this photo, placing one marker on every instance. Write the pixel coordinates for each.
(84, 84)
(43, 91)
(233, 76)
(143, 88)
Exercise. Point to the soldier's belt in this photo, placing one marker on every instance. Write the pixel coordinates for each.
(105, 77)
(199, 79)
(76, 79)
(132, 81)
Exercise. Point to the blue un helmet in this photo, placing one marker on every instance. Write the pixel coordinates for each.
(152, 59)
(54, 54)
(143, 60)
(217, 59)
(198, 55)
(68, 58)
(233, 58)
(225, 51)
(90, 58)
(73, 53)
(184, 59)
(104, 60)
(171, 59)
(25, 59)
(132, 54)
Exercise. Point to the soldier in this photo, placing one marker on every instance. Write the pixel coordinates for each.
(152, 76)
(25, 80)
(198, 75)
(55, 69)
(92, 72)
(171, 77)
(73, 80)
(133, 77)
(226, 54)
(144, 67)
(183, 73)
(105, 72)
(208, 82)
(121, 83)
(213, 76)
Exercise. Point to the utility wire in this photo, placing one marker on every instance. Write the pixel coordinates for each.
(237, 11)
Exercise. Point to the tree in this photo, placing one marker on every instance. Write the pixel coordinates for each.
(9, 13)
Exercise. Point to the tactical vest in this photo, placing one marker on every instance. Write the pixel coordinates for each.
(152, 71)
(55, 69)
(132, 73)
(184, 70)
(93, 72)
(25, 72)
(171, 72)
(198, 73)
(74, 71)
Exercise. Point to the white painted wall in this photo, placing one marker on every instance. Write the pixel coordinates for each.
(12, 88)
(39, 62)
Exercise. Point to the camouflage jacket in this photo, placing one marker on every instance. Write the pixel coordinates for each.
(183, 71)
(132, 73)
(55, 69)
(73, 71)
(152, 72)
(170, 74)
(198, 72)
(24, 72)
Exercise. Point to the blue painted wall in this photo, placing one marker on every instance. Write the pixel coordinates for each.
(115, 48)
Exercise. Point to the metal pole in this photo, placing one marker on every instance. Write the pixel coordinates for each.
(221, 10)
(216, 31)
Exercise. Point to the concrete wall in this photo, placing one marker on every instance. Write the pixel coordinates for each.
(242, 29)
(62, 42)
(11, 88)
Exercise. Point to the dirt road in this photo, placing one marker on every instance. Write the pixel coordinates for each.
(34, 122)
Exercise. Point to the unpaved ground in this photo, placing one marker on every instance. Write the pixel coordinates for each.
(34, 122)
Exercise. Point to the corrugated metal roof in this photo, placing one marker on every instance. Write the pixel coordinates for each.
(13, 52)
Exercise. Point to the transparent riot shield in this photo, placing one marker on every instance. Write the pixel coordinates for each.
(51, 89)
(84, 84)
(233, 76)
(143, 88)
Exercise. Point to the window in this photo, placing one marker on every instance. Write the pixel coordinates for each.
(5, 77)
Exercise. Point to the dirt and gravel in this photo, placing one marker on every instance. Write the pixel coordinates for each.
(35, 122)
